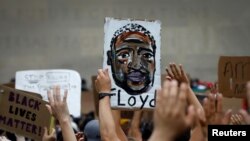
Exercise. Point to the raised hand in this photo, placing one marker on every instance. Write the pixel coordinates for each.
(47, 136)
(57, 106)
(236, 119)
(103, 82)
(170, 117)
(177, 73)
(245, 114)
(214, 111)
(59, 109)
(212, 114)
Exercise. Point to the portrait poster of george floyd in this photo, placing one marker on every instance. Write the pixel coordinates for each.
(132, 56)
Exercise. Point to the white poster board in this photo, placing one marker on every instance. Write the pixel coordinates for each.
(39, 81)
(132, 55)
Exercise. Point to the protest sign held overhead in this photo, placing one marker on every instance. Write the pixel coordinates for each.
(39, 81)
(132, 55)
(22, 113)
(233, 73)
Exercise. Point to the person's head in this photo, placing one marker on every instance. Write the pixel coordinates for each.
(132, 58)
(92, 131)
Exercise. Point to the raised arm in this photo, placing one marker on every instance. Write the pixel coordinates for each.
(107, 121)
(134, 130)
(246, 113)
(178, 73)
(117, 117)
(170, 118)
(213, 115)
(59, 109)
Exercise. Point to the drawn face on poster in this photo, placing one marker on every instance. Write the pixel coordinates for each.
(132, 55)
(132, 58)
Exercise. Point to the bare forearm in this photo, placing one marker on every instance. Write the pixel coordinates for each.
(193, 100)
(67, 130)
(134, 130)
(107, 123)
(136, 119)
(117, 116)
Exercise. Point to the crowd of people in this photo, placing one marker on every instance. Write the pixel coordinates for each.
(177, 116)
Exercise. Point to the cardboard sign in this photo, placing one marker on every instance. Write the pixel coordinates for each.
(39, 81)
(12, 85)
(22, 113)
(233, 74)
(132, 55)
